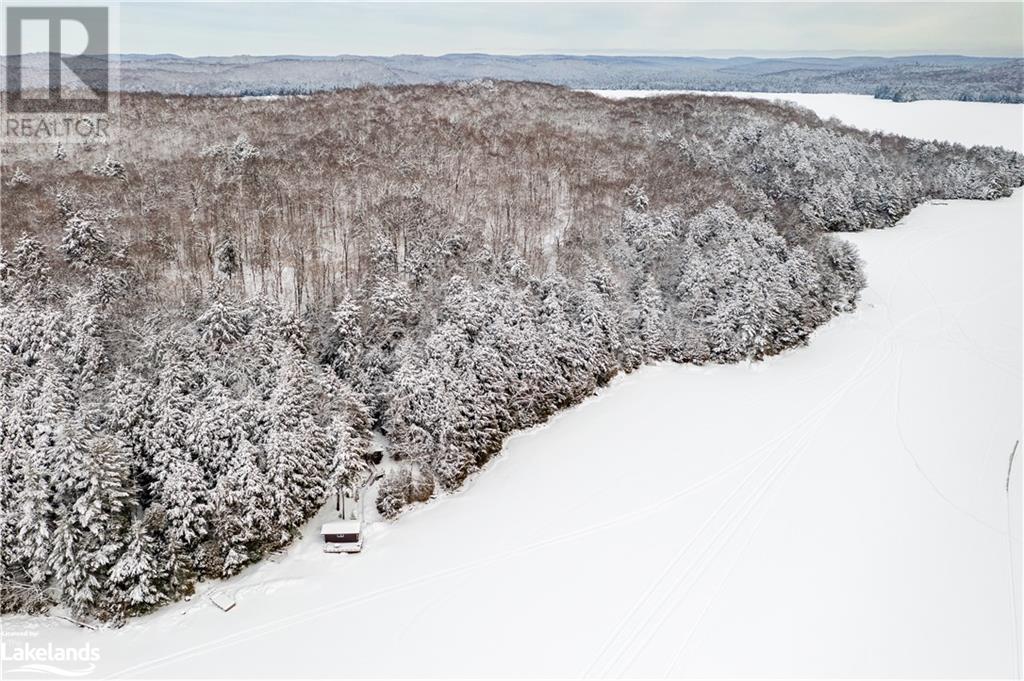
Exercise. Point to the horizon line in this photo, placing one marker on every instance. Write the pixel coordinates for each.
(756, 54)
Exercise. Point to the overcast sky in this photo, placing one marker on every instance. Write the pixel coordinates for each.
(713, 29)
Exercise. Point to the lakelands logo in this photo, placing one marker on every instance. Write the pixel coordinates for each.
(58, 84)
(26, 658)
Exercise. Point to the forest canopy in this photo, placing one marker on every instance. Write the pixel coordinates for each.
(201, 327)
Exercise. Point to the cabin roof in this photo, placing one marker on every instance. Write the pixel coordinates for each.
(341, 527)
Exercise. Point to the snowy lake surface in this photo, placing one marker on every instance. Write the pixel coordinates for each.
(839, 510)
(968, 123)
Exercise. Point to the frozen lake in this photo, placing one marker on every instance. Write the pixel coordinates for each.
(839, 510)
(968, 123)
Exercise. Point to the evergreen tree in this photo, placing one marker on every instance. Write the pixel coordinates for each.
(222, 323)
(165, 438)
(184, 500)
(90, 530)
(83, 242)
(227, 257)
(34, 513)
(29, 266)
(344, 343)
(649, 320)
(297, 462)
(242, 511)
(350, 443)
(135, 577)
(83, 348)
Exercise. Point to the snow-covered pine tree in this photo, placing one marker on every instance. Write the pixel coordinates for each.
(348, 434)
(129, 416)
(407, 418)
(345, 339)
(214, 431)
(90, 530)
(390, 310)
(83, 242)
(136, 577)
(185, 502)
(297, 470)
(29, 266)
(843, 276)
(393, 492)
(83, 348)
(184, 497)
(222, 323)
(109, 167)
(172, 401)
(19, 179)
(601, 330)
(242, 510)
(292, 330)
(34, 512)
(227, 258)
(70, 562)
(649, 320)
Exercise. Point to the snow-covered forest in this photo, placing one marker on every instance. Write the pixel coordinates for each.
(200, 329)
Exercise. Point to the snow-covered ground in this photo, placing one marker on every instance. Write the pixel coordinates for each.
(839, 510)
(968, 123)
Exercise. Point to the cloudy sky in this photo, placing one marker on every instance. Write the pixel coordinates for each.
(684, 28)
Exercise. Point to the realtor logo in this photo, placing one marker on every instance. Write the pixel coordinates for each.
(59, 83)
(91, 67)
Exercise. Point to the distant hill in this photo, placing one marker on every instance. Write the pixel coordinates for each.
(955, 77)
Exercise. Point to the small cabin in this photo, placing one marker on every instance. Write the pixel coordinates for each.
(345, 533)
(342, 536)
